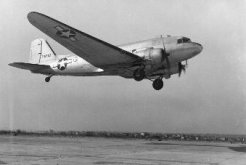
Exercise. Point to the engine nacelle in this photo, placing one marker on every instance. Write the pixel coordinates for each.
(152, 56)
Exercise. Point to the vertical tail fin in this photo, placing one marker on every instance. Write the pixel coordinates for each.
(41, 52)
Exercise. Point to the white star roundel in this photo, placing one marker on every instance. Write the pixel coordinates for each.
(62, 64)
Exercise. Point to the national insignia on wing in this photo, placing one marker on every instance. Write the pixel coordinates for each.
(65, 33)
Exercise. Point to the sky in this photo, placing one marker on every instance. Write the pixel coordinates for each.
(209, 98)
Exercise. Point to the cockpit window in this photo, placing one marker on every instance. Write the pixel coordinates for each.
(183, 40)
(186, 39)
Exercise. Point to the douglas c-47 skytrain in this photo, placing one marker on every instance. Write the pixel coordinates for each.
(152, 59)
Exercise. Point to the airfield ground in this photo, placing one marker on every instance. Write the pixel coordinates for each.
(24, 150)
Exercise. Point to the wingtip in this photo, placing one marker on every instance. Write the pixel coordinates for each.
(31, 15)
(12, 64)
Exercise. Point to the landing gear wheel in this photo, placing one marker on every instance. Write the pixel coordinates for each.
(139, 74)
(157, 84)
(47, 79)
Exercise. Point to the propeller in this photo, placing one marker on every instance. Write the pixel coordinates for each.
(165, 56)
(181, 68)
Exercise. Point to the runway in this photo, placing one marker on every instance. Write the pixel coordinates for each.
(24, 150)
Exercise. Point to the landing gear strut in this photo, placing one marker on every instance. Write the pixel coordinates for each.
(139, 74)
(47, 79)
(157, 84)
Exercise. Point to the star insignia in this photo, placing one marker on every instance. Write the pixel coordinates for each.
(65, 33)
(62, 64)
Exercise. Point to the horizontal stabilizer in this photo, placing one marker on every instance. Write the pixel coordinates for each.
(28, 66)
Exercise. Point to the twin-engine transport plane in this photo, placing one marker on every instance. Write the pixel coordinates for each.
(152, 59)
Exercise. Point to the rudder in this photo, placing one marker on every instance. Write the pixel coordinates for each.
(41, 52)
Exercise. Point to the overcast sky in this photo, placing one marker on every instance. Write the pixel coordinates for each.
(209, 98)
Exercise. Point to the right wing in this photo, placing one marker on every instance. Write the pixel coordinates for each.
(97, 52)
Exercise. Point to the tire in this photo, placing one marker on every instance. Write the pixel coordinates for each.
(47, 79)
(158, 84)
(139, 74)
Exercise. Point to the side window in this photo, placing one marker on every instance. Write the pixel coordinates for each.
(179, 41)
(186, 39)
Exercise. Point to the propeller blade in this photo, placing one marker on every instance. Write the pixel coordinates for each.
(181, 68)
(165, 56)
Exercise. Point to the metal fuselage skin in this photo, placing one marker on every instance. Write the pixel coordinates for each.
(75, 66)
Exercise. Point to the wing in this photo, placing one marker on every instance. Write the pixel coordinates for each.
(95, 51)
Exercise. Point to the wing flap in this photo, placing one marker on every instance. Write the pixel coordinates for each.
(93, 50)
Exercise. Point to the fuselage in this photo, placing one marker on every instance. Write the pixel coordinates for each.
(179, 49)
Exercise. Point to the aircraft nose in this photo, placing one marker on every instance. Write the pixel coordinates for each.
(198, 48)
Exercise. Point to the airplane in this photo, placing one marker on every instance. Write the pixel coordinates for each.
(152, 59)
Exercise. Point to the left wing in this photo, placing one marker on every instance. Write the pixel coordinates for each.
(97, 52)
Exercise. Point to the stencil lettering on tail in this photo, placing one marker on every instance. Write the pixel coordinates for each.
(41, 52)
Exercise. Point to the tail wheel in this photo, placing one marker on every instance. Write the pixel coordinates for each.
(139, 74)
(157, 84)
(47, 79)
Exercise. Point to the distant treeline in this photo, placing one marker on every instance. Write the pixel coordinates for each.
(132, 135)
